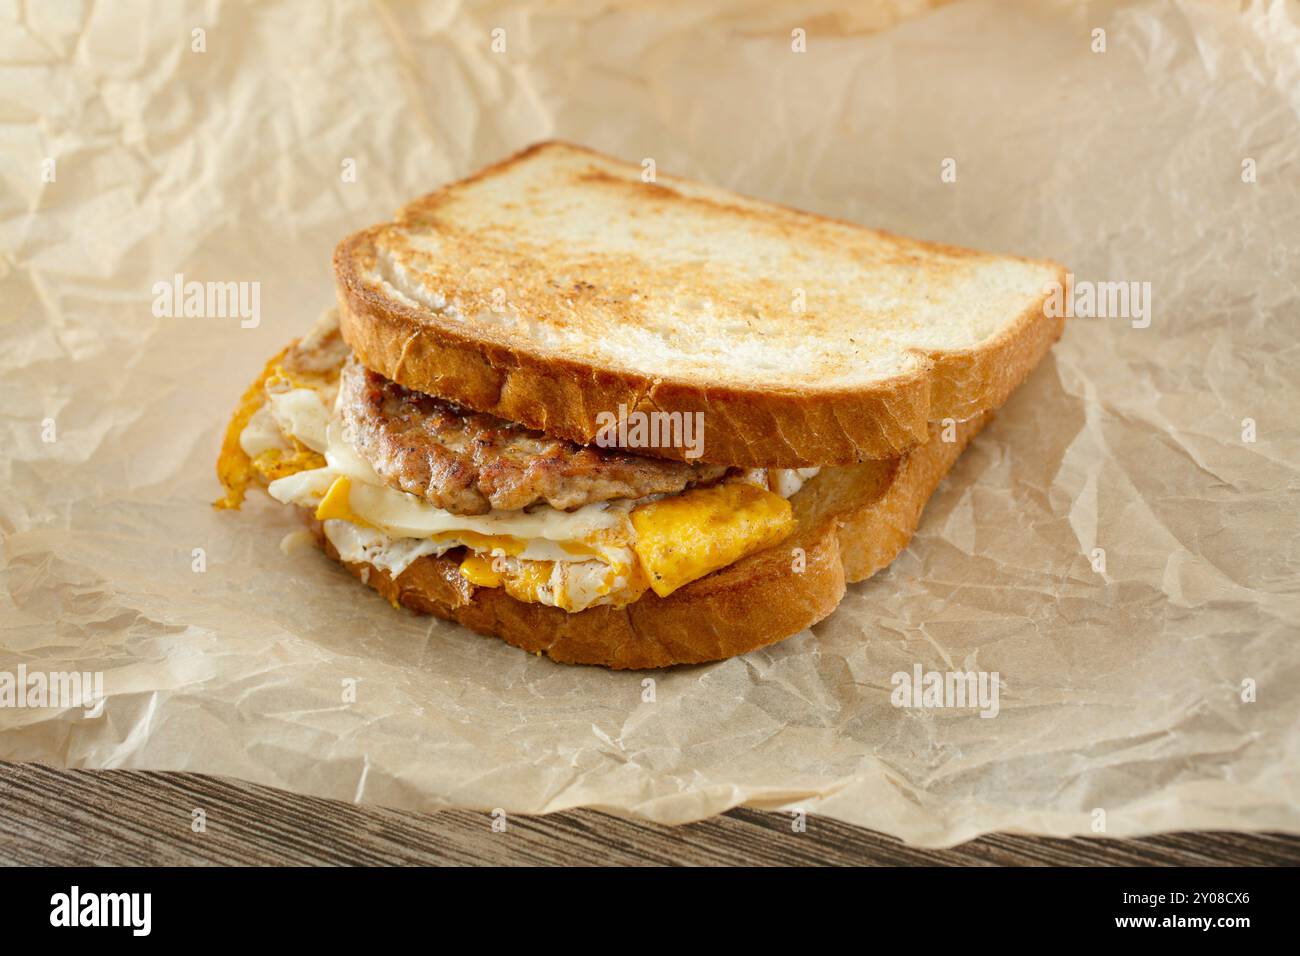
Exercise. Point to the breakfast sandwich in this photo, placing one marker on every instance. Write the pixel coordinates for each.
(630, 420)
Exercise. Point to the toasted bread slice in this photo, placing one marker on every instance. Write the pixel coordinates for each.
(851, 522)
(558, 285)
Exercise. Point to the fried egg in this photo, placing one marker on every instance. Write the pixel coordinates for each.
(604, 553)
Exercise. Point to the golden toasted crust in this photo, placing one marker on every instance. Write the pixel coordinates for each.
(851, 522)
(500, 293)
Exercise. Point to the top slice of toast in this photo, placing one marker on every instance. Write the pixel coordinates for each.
(559, 285)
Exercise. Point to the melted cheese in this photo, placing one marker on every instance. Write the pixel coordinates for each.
(569, 585)
(546, 534)
(335, 504)
(684, 537)
(478, 570)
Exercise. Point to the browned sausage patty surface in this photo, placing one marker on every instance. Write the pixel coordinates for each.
(470, 463)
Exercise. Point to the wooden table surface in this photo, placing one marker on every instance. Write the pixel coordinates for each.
(79, 818)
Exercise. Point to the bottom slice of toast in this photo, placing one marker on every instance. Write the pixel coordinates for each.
(850, 523)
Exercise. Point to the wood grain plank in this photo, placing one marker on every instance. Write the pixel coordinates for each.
(77, 818)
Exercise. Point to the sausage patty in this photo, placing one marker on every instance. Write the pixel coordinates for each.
(470, 463)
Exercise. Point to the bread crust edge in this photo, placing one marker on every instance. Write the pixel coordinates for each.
(751, 428)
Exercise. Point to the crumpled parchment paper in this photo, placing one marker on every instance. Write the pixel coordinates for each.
(1172, 447)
